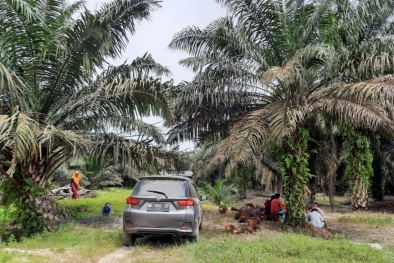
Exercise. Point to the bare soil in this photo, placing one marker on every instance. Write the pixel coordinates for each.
(378, 236)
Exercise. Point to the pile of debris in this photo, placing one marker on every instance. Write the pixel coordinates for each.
(249, 216)
(65, 192)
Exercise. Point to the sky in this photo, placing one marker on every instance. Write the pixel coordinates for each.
(154, 35)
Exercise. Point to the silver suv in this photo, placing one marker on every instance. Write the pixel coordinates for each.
(163, 205)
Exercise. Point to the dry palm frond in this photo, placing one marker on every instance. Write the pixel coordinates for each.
(368, 116)
(25, 139)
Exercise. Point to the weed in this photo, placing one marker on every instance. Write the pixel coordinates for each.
(86, 207)
(366, 219)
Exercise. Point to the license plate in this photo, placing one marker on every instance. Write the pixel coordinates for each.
(162, 207)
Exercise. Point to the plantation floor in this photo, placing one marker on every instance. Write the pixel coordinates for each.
(342, 221)
(374, 227)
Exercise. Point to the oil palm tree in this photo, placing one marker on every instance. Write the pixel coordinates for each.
(60, 97)
(274, 70)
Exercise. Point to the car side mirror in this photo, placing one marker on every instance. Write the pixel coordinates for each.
(203, 197)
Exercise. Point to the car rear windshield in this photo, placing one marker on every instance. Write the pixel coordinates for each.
(172, 188)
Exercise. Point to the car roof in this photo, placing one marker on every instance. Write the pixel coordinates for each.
(167, 177)
(174, 172)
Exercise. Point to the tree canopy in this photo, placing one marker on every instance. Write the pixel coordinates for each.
(59, 97)
(272, 70)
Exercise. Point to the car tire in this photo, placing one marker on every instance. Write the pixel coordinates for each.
(200, 226)
(129, 239)
(195, 238)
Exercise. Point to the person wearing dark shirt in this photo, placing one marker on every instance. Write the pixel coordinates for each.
(267, 206)
(106, 209)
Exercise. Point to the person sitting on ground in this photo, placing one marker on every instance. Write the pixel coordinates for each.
(276, 208)
(315, 219)
(316, 205)
(267, 206)
(106, 210)
(308, 195)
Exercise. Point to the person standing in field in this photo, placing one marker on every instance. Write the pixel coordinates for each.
(75, 180)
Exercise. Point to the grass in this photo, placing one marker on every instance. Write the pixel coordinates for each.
(337, 199)
(19, 256)
(115, 196)
(78, 244)
(74, 243)
(286, 248)
(210, 207)
(371, 219)
(220, 247)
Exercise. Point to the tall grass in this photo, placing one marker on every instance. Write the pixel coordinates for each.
(76, 244)
(371, 219)
(290, 248)
(115, 196)
(69, 244)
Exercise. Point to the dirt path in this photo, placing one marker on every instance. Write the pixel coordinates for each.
(117, 255)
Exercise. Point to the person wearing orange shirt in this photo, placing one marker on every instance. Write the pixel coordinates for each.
(276, 207)
(75, 180)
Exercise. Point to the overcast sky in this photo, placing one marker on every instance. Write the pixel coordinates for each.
(154, 36)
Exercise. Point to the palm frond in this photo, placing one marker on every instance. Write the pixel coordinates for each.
(14, 92)
(137, 154)
(120, 17)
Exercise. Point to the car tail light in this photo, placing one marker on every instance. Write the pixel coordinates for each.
(187, 202)
(132, 201)
(186, 226)
(128, 224)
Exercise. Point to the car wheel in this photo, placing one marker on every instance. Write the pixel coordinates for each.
(194, 238)
(129, 239)
(200, 226)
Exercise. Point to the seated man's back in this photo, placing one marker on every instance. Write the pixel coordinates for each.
(315, 219)
(275, 206)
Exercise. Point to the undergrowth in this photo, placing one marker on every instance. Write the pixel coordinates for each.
(69, 244)
(87, 207)
(371, 219)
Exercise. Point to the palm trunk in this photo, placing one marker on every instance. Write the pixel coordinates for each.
(358, 159)
(53, 214)
(359, 197)
(41, 205)
(330, 163)
(296, 176)
(378, 181)
(29, 182)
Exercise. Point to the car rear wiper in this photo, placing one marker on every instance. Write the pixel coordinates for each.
(158, 192)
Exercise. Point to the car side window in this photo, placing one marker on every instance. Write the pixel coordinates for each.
(193, 191)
